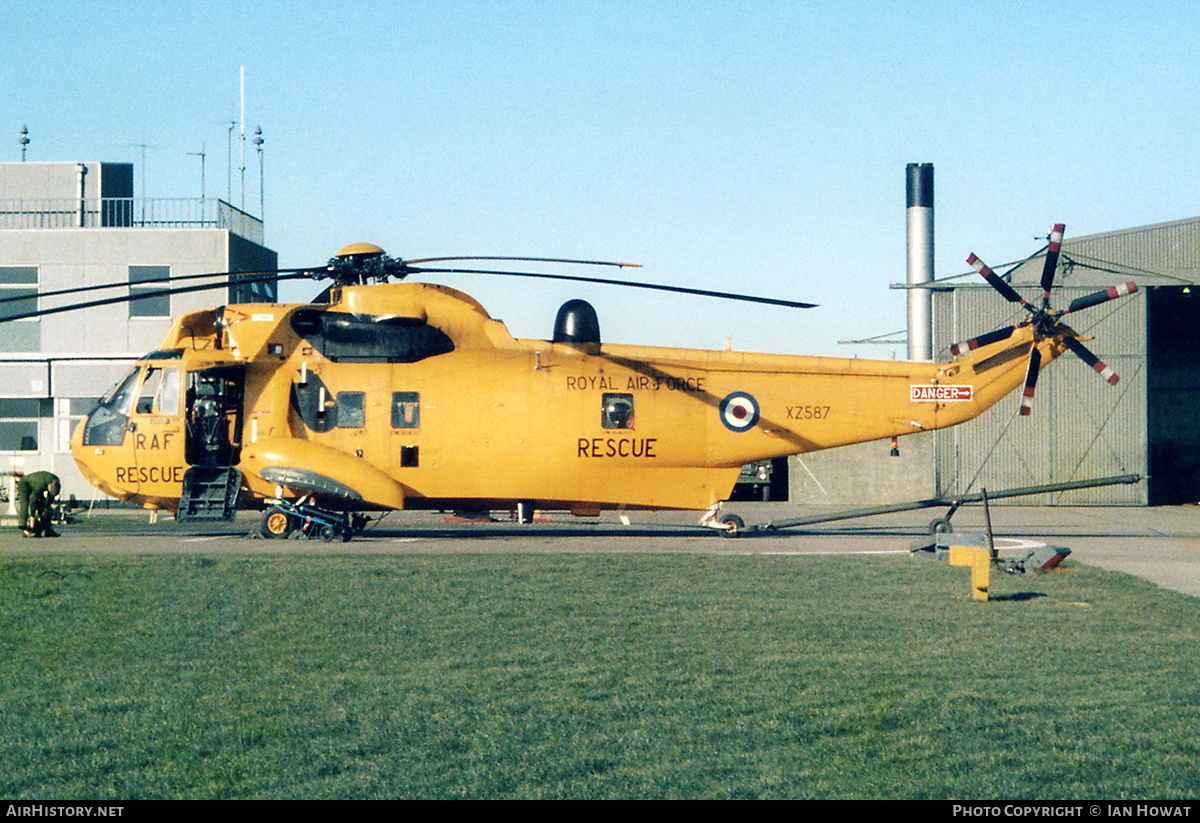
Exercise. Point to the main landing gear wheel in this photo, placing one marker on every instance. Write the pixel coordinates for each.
(275, 524)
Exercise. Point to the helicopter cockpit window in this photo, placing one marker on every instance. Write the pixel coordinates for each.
(106, 423)
(617, 411)
(120, 399)
(350, 410)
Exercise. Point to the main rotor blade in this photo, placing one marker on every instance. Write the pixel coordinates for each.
(528, 260)
(1031, 376)
(175, 279)
(1081, 351)
(1056, 236)
(999, 285)
(146, 295)
(770, 301)
(982, 340)
(1102, 296)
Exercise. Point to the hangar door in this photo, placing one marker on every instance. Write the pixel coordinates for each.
(1173, 393)
(1081, 427)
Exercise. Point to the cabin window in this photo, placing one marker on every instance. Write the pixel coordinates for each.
(168, 395)
(157, 306)
(160, 392)
(616, 411)
(406, 410)
(351, 413)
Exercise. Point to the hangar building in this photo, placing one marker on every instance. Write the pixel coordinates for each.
(64, 225)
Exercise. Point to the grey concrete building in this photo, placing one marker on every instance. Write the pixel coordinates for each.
(67, 225)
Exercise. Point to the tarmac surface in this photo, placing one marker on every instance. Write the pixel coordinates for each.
(1159, 544)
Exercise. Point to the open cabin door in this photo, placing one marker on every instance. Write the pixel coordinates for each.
(213, 443)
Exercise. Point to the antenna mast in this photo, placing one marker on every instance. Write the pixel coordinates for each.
(243, 139)
(201, 154)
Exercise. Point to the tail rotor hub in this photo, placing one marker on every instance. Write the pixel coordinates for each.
(1047, 322)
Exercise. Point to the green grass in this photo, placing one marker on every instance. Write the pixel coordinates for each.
(630, 676)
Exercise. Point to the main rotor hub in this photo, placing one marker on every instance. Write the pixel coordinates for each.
(361, 263)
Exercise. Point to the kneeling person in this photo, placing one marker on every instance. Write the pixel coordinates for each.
(35, 500)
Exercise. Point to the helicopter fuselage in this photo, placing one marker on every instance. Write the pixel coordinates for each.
(410, 396)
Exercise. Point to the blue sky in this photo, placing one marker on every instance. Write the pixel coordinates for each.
(745, 146)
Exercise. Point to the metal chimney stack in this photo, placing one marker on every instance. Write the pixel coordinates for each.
(81, 194)
(920, 260)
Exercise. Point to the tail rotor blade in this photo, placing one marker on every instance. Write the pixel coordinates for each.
(1082, 352)
(1102, 296)
(982, 340)
(1056, 236)
(1031, 376)
(999, 285)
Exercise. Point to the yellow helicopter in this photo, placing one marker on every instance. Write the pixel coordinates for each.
(388, 395)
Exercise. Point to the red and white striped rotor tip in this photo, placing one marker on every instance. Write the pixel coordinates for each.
(1122, 290)
(1105, 371)
(1056, 236)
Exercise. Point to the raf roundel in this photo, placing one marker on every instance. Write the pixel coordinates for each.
(739, 411)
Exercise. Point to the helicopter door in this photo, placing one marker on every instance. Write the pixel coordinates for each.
(214, 416)
(213, 444)
(156, 434)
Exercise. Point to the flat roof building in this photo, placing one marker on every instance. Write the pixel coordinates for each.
(70, 225)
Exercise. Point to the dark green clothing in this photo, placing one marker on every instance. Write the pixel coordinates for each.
(35, 499)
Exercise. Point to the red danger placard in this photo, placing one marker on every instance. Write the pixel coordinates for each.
(941, 394)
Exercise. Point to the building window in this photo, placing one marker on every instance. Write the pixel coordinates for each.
(157, 306)
(19, 424)
(259, 291)
(20, 282)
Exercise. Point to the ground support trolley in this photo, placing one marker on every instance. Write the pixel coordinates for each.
(304, 520)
